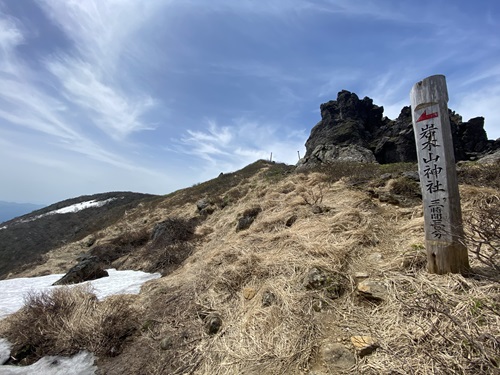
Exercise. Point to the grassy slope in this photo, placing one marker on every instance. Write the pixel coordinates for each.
(425, 324)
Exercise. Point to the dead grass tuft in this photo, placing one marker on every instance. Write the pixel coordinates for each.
(435, 325)
(67, 320)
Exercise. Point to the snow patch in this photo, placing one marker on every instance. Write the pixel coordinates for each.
(70, 209)
(5, 227)
(118, 282)
(12, 299)
(4, 350)
(80, 364)
(79, 206)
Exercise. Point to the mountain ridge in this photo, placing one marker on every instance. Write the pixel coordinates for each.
(11, 210)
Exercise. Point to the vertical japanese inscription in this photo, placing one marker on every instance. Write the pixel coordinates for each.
(438, 179)
(431, 161)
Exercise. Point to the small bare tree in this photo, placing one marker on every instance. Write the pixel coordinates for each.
(483, 227)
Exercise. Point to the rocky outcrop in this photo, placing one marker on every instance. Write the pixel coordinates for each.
(353, 129)
(88, 269)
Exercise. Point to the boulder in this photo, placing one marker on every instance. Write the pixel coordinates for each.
(88, 269)
(493, 158)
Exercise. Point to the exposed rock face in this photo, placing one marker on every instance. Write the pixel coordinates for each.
(88, 269)
(355, 130)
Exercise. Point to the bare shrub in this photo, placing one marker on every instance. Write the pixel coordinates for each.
(119, 246)
(170, 245)
(447, 325)
(314, 197)
(66, 320)
(353, 171)
(483, 175)
(171, 231)
(483, 228)
(406, 186)
(167, 259)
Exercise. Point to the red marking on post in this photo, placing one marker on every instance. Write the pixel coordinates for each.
(426, 116)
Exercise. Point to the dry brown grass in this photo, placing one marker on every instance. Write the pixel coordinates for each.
(269, 257)
(425, 324)
(67, 320)
(434, 325)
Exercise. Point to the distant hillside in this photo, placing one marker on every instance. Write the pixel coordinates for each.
(10, 210)
(25, 239)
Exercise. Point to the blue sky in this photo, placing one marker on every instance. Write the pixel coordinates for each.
(156, 95)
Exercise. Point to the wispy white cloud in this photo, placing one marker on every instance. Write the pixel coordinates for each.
(10, 35)
(116, 114)
(42, 126)
(90, 75)
(227, 148)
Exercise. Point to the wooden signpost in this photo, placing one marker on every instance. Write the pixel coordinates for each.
(436, 165)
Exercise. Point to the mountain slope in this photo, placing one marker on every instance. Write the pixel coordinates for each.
(271, 272)
(25, 239)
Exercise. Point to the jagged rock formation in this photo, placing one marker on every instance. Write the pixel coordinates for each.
(356, 130)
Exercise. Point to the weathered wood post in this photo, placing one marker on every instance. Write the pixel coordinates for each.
(438, 177)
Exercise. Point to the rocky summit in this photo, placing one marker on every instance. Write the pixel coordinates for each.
(353, 129)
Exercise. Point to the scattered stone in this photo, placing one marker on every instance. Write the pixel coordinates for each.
(268, 298)
(213, 322)
(364, 345)
(375, 257)
(386, 176)
(167, 343)
(315, 279)
(336, 357)
(373, 290)
(317, 209)
(318, 279)
(249, 293)
(89, 240)
(205, 207)
(388, 198)
(412, 175)
(247, 218)
(361, 275)
(88, 269)
(291, 220)
(202, 204)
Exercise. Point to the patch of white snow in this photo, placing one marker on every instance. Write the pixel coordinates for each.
(12, 299)
(80, 206)
(4, 350)
(118, 282)
(69, 209)
(80, 364)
